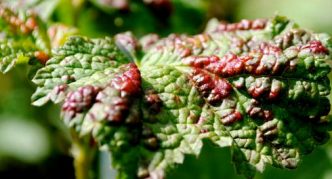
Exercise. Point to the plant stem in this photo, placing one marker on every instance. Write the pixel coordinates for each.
(84, 155)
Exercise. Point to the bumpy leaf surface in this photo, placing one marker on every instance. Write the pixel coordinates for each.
(259, 87)
(77, 63)
(23, 38)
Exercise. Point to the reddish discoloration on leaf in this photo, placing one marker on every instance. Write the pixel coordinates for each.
(148, 41)
(231, 118)
(256, 91)
(269, 49)
(211, 87)
(60, 89)
(255, 111)
(315, 46)
(264, 60)
(231, 64)
(16, 22)
(176, 43)
(79, 100)
(198, 41)
(301, 38)
(128, 41)
(120, 94)
(183, 45)
(116, 96)
(242, 25)
(153, 101)
(129, 81)
(285, 41)
(118, 108)
(262, 87)
(275, 91)
(267, 115)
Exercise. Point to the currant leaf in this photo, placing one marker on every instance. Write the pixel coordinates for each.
(259, 87)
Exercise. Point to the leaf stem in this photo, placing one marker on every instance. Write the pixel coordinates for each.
(84, 155)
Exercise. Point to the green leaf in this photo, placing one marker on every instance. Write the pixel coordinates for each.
(15, 52)
(24, 38)
(175, 123)
(258, 87)
(79, 62)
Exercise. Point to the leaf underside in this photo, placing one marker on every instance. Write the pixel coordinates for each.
(259, 87)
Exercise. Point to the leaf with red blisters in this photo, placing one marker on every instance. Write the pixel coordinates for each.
(248, 90)
(232, 86)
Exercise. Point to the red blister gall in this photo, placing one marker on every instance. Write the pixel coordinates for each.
(79, 100)
(232, 118)
(316, 46)
(214, 89)
(257, 24)
(129, 81)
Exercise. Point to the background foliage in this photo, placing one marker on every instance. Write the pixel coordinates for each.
(34, 143)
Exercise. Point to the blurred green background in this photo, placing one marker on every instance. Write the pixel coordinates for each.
(35, 144)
